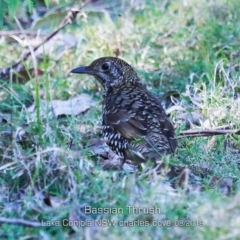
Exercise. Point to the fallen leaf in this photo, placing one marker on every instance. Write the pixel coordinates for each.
(224, 185)
(189, 119)
(57, 45)
(73, 106)
(183, 177)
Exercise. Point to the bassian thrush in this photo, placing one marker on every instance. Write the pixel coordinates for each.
(135, 126)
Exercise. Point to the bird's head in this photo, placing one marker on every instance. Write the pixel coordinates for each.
(109, 71)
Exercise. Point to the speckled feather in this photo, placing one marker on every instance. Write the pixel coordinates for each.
(135, 125)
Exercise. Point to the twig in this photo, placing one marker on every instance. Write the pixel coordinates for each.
(206, 133)
(19, 221)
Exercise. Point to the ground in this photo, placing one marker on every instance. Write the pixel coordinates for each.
(52, 155)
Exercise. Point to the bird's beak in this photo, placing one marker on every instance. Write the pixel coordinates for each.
(83, 70)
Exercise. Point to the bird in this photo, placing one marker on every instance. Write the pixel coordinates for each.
(134, 123)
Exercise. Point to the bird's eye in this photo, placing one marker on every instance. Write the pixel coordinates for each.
(105, 66)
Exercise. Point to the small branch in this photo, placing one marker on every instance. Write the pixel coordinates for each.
(22, 222)
(206, 133)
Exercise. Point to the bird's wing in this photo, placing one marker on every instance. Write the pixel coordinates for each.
(165, 125)
(168, 130)
(130, 125)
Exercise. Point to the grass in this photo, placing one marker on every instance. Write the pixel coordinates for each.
(174, 45)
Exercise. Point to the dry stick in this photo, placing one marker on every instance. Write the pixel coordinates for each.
(206, 133)
(70, 17)
(19, 221)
